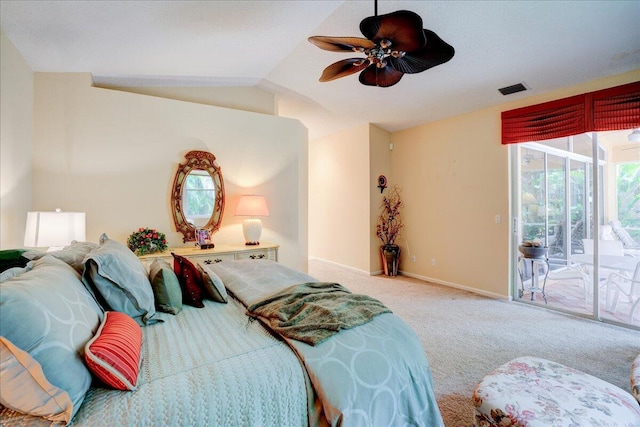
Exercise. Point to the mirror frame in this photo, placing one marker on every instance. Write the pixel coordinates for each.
(197, 160)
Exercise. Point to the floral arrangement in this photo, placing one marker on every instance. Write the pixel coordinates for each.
(389, 222)
(147, 241)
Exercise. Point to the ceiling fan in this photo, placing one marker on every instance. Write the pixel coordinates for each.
(395, 45)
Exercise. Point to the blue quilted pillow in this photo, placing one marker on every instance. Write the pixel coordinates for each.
(48, 313)
(119, 281)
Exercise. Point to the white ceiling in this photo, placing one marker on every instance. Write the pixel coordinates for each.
(545, 44)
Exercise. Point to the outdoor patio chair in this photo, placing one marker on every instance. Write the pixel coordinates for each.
(606, 247)
(574, 272)
(631, 246)
(556, 242)
(629, 286)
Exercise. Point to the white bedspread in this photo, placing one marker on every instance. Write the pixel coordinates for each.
(373, 375)
(202, 367)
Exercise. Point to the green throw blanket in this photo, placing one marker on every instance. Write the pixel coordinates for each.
(313, 312)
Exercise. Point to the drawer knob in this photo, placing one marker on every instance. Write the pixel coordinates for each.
(260, 256)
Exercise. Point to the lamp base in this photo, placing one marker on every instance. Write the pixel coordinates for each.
(252, 229)
(252, 243)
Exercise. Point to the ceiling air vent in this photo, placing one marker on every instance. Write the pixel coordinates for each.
(512, 89)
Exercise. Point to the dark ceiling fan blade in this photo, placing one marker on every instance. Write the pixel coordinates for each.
(383, 77)
(403, 28)
(436, 52)
(341, 44)
(396, 44)
(343, 68)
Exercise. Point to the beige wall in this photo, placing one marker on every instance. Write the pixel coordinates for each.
(455, 179)
(16, 135)
(379, 164)
(113, 155)
(454, 176)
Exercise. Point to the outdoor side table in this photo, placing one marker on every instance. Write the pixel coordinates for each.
(535, 275)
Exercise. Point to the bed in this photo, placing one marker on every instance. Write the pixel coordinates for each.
(218, 366)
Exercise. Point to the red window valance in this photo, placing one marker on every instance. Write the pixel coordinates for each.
(615, 108)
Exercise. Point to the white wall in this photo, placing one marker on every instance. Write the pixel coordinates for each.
(344, 198)
(247, 98)
(113, 155)
(16, 122)
(339, 198)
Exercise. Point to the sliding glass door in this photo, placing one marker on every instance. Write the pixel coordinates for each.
(558, 204)
(554, 212)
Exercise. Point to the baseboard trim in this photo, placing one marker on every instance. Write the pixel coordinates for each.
(455, 285)
(357, 270)
(416, 276)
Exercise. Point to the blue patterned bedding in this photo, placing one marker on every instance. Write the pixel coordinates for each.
(374, 374)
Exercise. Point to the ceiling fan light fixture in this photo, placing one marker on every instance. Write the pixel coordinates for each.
(395, 44)
(634, 136)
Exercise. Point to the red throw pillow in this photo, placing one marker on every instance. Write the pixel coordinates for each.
(113, 354)
(190, 281)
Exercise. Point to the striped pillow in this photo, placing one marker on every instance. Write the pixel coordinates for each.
(113, 354)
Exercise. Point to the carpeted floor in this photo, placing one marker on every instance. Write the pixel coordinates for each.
(466, 335)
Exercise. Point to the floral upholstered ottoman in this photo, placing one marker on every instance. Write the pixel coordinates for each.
(532, 392)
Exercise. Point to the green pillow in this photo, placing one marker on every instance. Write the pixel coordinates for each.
(166, 288)
(212, 284)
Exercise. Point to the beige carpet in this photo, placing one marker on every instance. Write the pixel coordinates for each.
(466, 335)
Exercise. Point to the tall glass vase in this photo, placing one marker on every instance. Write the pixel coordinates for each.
(390, 255)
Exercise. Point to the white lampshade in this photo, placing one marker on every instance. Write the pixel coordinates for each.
(252, 227)
(54, 229)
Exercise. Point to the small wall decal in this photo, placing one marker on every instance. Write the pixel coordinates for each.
(382, 183)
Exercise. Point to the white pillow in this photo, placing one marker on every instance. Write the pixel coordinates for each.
(24, 387)
(606, 232)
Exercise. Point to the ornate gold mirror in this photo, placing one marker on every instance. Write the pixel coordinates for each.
(197, 198)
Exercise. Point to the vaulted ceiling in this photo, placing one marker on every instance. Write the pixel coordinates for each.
(544, 44)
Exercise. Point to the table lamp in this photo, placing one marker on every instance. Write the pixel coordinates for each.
(54, 229)
(252, 206)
